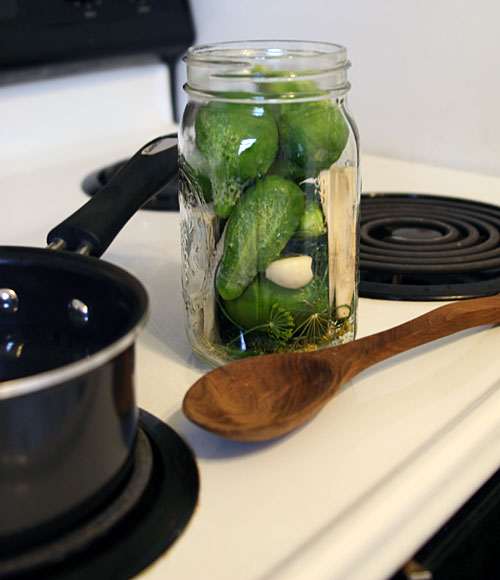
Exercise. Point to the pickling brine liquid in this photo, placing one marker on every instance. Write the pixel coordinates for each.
(269, 200)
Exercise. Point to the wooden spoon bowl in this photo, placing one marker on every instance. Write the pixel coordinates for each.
(264, 397)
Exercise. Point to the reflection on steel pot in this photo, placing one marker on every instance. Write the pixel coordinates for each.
(68, 325)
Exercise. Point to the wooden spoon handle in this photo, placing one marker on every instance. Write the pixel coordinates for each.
(438, 323)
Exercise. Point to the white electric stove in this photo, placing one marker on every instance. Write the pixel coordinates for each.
(355, 492)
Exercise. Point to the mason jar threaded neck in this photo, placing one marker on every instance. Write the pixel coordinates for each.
(245, 71)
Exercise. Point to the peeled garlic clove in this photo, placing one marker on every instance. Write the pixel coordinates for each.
(293, 273)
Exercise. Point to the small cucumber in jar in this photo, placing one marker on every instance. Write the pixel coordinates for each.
(312, 135)
(253, 308)
(239, 142)
(262, 222)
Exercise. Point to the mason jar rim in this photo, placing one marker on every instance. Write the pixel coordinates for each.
(247, 51)
(210, 67)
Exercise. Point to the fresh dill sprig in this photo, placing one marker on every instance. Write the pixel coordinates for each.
(280, 325)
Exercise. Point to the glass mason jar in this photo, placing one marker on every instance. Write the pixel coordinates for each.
(269, 199)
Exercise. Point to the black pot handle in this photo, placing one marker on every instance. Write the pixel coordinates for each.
(93, 227)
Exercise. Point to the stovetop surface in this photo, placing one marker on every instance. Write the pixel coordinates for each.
(359, 488)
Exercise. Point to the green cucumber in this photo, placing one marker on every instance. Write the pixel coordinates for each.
(262, 222)
(312, 223)
(253, 308)
(239, 142)
(312, 134)
(287, 169)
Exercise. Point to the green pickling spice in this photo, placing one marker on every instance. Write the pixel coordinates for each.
(259, 227)
(239, 142)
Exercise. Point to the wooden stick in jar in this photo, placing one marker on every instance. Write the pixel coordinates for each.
(326, 197)
(337, 187)
(343, 181)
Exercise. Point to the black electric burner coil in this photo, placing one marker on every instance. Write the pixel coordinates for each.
(143, 520)
(428, 247)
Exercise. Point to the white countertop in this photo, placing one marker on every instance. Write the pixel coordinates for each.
(358, 489)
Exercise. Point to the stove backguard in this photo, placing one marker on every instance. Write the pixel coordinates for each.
(39, 39)
(40, 33)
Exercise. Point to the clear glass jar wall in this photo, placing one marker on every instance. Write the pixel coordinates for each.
(269, 199)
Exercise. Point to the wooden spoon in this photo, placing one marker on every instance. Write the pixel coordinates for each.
(264, 397)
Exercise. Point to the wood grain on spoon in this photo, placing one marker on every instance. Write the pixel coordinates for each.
(264, 397)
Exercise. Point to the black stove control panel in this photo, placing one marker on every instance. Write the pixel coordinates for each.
(58, 31)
